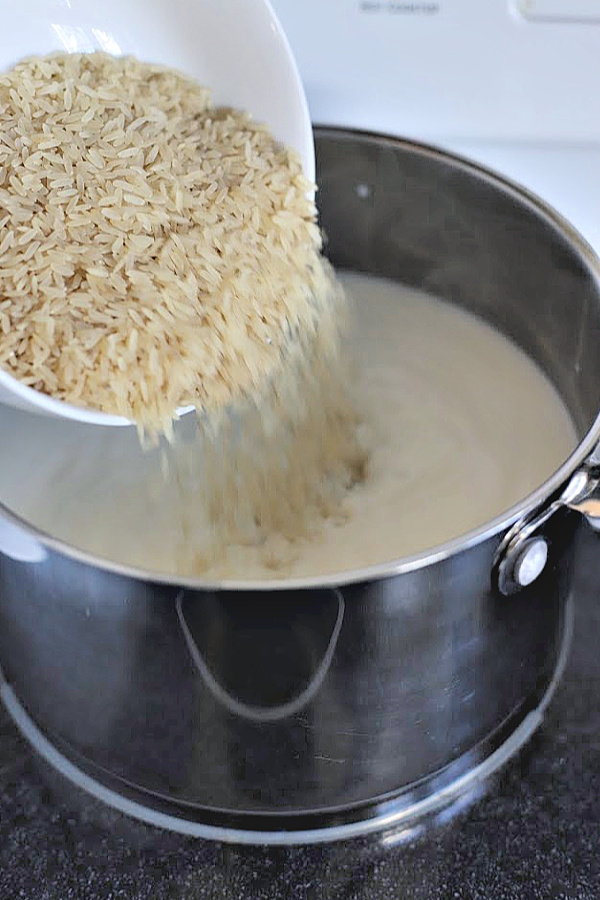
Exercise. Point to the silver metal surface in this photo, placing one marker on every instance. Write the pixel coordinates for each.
(409, 813)
(292, 707)
(581, 494)
(531, 561)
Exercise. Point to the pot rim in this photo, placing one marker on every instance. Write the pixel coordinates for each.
(432, 555)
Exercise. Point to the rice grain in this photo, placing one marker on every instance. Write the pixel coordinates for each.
(154, 250)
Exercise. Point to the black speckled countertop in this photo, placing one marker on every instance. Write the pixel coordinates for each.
(535, 835)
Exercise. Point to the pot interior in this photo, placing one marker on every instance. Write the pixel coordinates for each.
(453, 230)
(402, 212)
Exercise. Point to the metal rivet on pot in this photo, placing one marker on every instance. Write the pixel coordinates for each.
(531, 561)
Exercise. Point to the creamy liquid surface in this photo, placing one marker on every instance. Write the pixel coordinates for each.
(462, 424)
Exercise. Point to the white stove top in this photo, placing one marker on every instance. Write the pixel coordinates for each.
(510, 83)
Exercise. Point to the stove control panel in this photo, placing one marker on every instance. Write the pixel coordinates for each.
(440, 70)
(559, 10)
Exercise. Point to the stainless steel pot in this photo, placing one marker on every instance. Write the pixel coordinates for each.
(303, 711)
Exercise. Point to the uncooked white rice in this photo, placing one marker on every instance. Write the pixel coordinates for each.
(154, 251)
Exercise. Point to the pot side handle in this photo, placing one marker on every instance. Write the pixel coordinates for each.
(262, 714)
(522, 555)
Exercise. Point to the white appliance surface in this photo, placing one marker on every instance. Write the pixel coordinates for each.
(514, 84)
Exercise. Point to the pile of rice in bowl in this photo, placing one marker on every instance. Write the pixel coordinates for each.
(158, 252)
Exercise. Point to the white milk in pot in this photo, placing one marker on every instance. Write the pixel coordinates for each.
(459, 424)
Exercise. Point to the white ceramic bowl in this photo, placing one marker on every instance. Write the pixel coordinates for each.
(235, 47)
